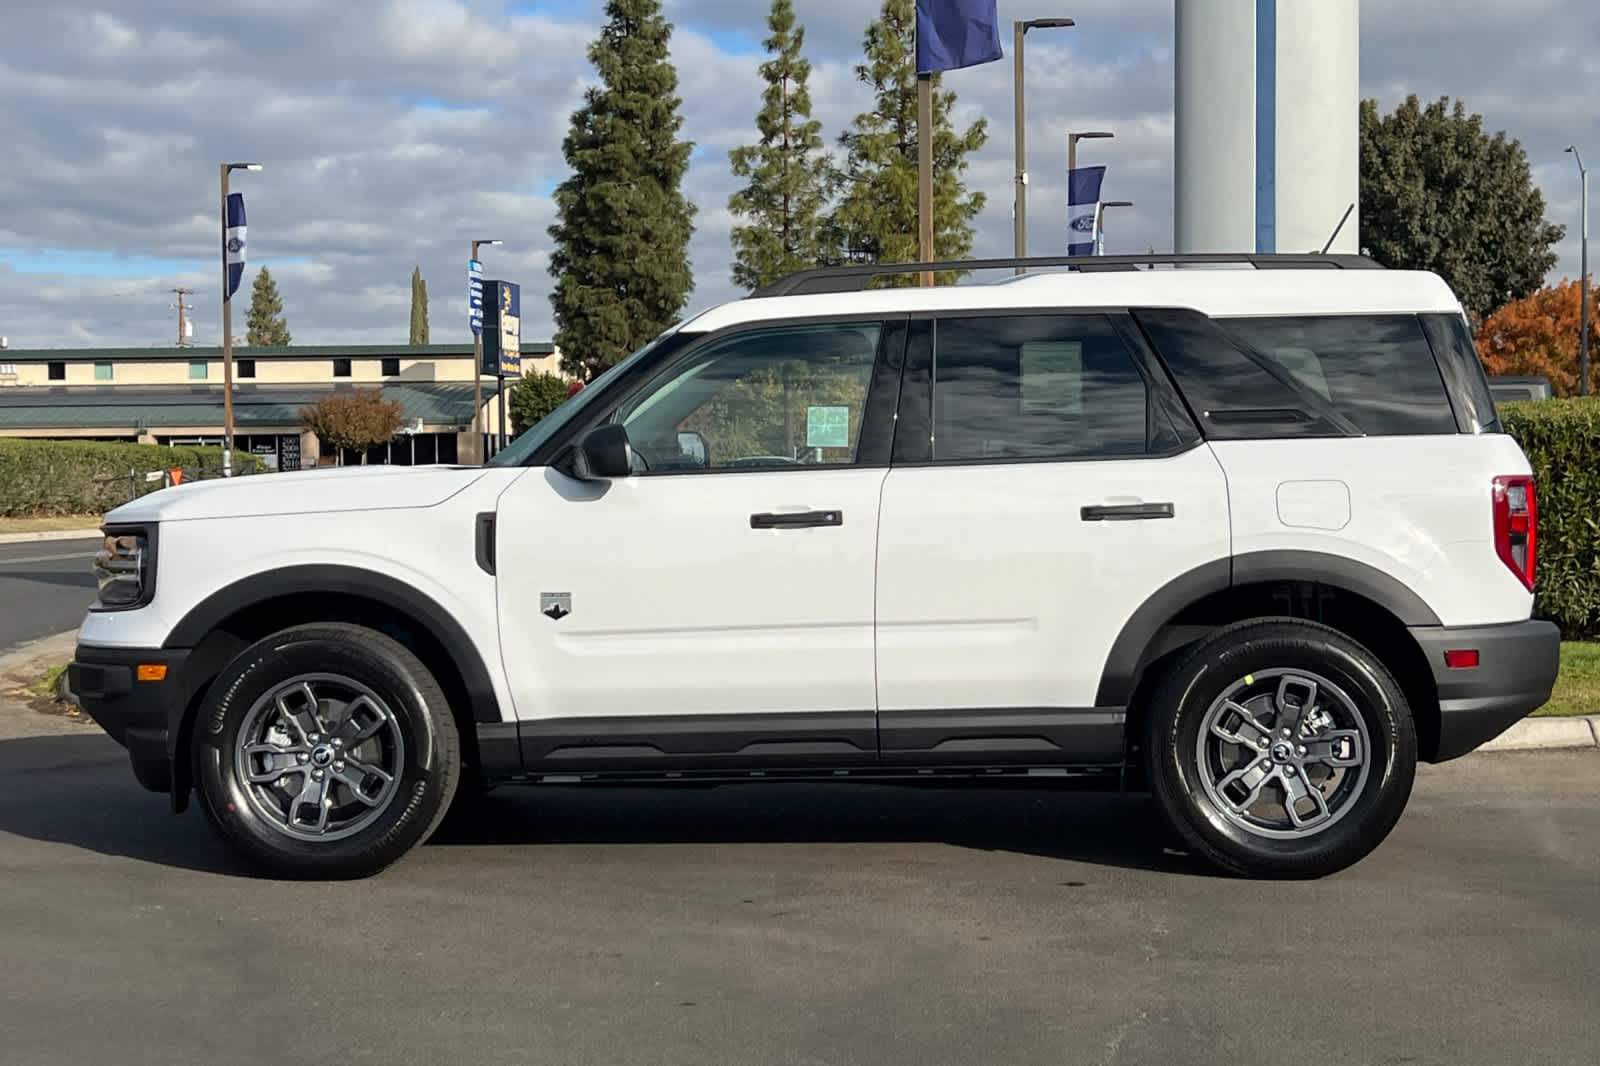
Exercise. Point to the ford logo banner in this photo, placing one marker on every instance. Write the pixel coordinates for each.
(1083, 224)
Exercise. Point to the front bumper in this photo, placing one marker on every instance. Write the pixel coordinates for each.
(1517, 667)
(142, 716)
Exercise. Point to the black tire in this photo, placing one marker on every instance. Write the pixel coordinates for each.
(1243, 651)
(427, 757)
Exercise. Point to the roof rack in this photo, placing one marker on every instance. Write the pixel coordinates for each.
(856, 278)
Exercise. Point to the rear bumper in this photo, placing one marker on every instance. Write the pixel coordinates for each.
(139, 715)
(1517, 667)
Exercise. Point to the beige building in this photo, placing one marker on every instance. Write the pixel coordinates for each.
(174, 395)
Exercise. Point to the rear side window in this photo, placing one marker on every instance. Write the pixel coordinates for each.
(1463, 373)
(1376, 370)
(1040, 387)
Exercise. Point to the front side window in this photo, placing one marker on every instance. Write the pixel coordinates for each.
(1039, 387)
(772, 398)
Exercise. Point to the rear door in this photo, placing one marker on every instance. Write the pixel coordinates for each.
(1046, 484)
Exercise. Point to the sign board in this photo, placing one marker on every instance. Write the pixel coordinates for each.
(266, 449)
(502, 328)
(827, 427)
(475, 296)
(289, 451)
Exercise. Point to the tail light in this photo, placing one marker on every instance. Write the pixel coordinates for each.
(1516, 525)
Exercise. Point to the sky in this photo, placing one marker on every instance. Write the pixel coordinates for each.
(392, 132)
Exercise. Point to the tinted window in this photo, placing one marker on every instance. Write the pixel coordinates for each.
(57, 371)
(197, 370)
(1037, 387)
(341, 368)
(1375, 370)
(1463, 373)
(773, 398)
(391, 368)
(247, 368)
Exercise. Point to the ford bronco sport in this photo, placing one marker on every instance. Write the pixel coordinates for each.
(1250, 536)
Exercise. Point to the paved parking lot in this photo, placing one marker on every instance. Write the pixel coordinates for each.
(45, 586)
(799, 924)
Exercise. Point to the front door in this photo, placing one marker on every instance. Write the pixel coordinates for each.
(1044, 486)
(717, 605)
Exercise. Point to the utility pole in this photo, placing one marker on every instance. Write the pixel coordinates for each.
(1019, 210)
(1583, 277)
(183, 316)
(477, 365)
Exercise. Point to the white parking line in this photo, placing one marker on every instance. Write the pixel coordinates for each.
(44, 559)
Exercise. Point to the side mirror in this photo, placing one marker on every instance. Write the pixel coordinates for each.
(602, 453)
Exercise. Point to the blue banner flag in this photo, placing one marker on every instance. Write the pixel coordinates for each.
(1083, 208)
(956, 33)
(233, 242)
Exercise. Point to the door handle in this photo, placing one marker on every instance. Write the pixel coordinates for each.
(1127, 512)
(796, 519)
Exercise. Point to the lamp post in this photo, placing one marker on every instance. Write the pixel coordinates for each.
(1583, 276)
(1072, 145)
(1100, 234)
(1019, 210)
(477, 369)
(227, 326)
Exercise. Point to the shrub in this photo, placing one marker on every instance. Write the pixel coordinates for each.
(354, 421)
(532, 397)
(1562, 441)
(59, 477)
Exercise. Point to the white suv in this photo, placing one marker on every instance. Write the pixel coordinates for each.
(1250, 536)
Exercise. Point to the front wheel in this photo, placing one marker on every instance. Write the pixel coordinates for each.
(326, 751)
(1282, 748)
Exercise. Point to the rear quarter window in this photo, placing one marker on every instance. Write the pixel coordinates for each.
(1378, 371)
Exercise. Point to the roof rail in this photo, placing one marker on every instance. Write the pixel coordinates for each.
(856, 278)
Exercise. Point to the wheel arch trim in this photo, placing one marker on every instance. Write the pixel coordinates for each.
(259, 588)
(1125, 661)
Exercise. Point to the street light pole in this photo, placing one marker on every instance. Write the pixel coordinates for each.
(1583, 276)
(477, 370)
(227, 326)
(1072, 146)
(1100, 235)
(1019, 210)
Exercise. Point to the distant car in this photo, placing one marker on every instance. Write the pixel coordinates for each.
(1254, 538)
(1508, 389)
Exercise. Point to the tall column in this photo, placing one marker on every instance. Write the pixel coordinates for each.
(1215, 126)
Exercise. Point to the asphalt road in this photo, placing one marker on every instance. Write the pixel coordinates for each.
(44, 588)
(800, 924)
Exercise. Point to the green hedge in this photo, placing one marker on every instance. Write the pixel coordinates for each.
(60, 477)
(1562, 441)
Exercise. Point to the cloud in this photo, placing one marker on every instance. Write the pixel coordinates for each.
(393, 131)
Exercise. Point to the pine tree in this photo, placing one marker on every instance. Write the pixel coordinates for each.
(877, 220)
(621, 256)
(419, 307)
(790, 175)
(265, 324)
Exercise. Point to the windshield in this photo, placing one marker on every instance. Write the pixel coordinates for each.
(518, 450)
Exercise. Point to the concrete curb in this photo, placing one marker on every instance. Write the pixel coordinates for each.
(49, 534)
(1535, 734)
(47, 651)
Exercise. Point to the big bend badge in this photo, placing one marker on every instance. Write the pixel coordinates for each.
(555, 605)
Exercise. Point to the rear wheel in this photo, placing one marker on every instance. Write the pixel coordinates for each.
(1282, 748)
(326, 751)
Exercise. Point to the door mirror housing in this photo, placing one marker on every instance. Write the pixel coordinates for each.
(602, 453)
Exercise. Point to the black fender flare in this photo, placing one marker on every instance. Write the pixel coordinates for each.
(209, 613)
(1124, 662)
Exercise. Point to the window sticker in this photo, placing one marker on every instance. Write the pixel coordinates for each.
(827, 427)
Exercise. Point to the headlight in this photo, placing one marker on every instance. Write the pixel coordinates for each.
(124, 568)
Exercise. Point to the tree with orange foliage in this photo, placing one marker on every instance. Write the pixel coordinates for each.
(1538, 335)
